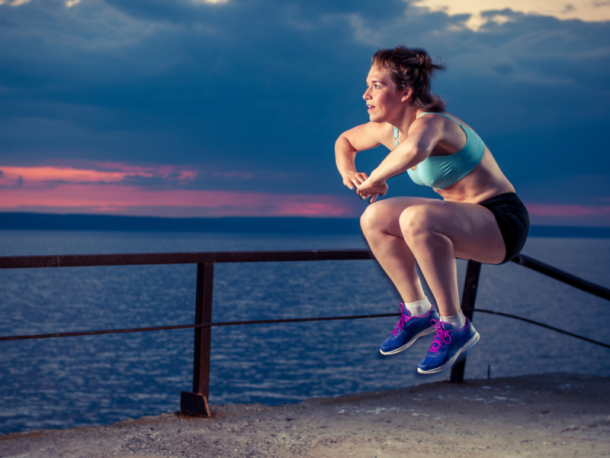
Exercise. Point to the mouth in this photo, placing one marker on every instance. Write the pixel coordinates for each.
(370, 107)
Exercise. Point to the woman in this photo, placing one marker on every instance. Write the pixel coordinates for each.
(480, 217)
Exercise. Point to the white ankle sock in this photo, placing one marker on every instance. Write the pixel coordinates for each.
(458, 321)
(419, 308)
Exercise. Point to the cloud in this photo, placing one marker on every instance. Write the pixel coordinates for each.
(111, 173)
(568, 215)
(14, 2)
(570, 211)
(251, 95)
(585, 10)
(153, 202)
(157, 176)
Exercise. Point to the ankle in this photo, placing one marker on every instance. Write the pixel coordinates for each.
(419, 308)
(457, 321)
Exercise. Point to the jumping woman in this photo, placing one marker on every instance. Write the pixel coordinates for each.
(479, 217)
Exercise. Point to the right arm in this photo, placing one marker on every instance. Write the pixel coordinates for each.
(360, 138)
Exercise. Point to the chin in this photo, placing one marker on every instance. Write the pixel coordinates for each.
(374, 118)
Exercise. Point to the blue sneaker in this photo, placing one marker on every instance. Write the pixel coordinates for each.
(408, 330)
(447, 345)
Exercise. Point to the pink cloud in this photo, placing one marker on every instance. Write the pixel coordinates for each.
(163, 171)
(106, 172)
(47, 174)
(109, 173)
(120, 199)
(104, 187)
(567, 211)
(233, 174)
(166, 170)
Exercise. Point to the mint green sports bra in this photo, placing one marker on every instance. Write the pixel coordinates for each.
(440, 172)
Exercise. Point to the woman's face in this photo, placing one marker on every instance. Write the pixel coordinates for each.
(383, 100)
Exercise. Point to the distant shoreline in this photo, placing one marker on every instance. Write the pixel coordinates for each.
(272, 225)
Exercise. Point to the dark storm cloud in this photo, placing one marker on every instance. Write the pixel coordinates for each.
(266, 87)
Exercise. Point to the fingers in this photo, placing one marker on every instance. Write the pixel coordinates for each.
(359, 179)
(355, 180)
(369, 194)
(363, 194)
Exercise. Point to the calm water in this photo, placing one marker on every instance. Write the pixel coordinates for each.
(59, 383)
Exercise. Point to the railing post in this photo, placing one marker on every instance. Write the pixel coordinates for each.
(469, 295)
(197, 401)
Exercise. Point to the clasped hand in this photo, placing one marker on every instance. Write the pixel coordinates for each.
(364, 187)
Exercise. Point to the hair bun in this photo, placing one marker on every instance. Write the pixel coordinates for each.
(424, 61)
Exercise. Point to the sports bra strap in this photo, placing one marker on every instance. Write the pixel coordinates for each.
(427, 113)
(441, 114)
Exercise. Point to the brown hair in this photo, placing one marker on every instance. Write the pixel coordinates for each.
(411, 68)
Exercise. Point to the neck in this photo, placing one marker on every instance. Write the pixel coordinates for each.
(404, 121)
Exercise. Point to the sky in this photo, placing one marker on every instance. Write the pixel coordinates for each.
(216, 108)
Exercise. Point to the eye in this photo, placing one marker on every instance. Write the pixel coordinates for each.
(377, 86)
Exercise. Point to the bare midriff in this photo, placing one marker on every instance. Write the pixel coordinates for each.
(485, 181)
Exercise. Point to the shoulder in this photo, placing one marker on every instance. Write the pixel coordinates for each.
(441, 118)
(426, 121)
(430, 118)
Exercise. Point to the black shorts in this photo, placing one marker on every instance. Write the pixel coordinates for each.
(513, 220)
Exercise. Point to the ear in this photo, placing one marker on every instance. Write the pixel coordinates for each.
(406, 94)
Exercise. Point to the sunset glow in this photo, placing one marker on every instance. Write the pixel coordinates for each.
(587, 10)
(106, 188)
(115, 172)
(113, 199)
(570, 211)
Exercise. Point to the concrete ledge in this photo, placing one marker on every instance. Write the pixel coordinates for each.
(551, 415)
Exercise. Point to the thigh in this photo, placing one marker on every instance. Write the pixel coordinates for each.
(473, 229)
(385, 214)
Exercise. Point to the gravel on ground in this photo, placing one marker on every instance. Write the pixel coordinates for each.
(552, 415)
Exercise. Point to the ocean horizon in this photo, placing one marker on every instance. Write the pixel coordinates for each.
(287, 224)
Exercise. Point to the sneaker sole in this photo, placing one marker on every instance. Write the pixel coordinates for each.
(467, 346)
(425, 332)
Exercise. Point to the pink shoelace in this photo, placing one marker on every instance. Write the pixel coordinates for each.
(441, 338)
(402, 322)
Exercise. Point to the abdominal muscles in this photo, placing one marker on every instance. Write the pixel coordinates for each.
(483, 182)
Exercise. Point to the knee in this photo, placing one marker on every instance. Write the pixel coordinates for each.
(373, 219)
(416, 221)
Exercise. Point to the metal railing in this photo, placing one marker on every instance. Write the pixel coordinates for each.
(196, 402)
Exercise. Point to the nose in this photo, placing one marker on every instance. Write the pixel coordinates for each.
(367, 94)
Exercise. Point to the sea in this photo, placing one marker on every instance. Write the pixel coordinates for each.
(98, 380)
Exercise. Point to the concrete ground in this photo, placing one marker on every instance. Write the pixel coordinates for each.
(553, 415)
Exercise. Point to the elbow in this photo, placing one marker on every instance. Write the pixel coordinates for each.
(339, 141)
(343, 144)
